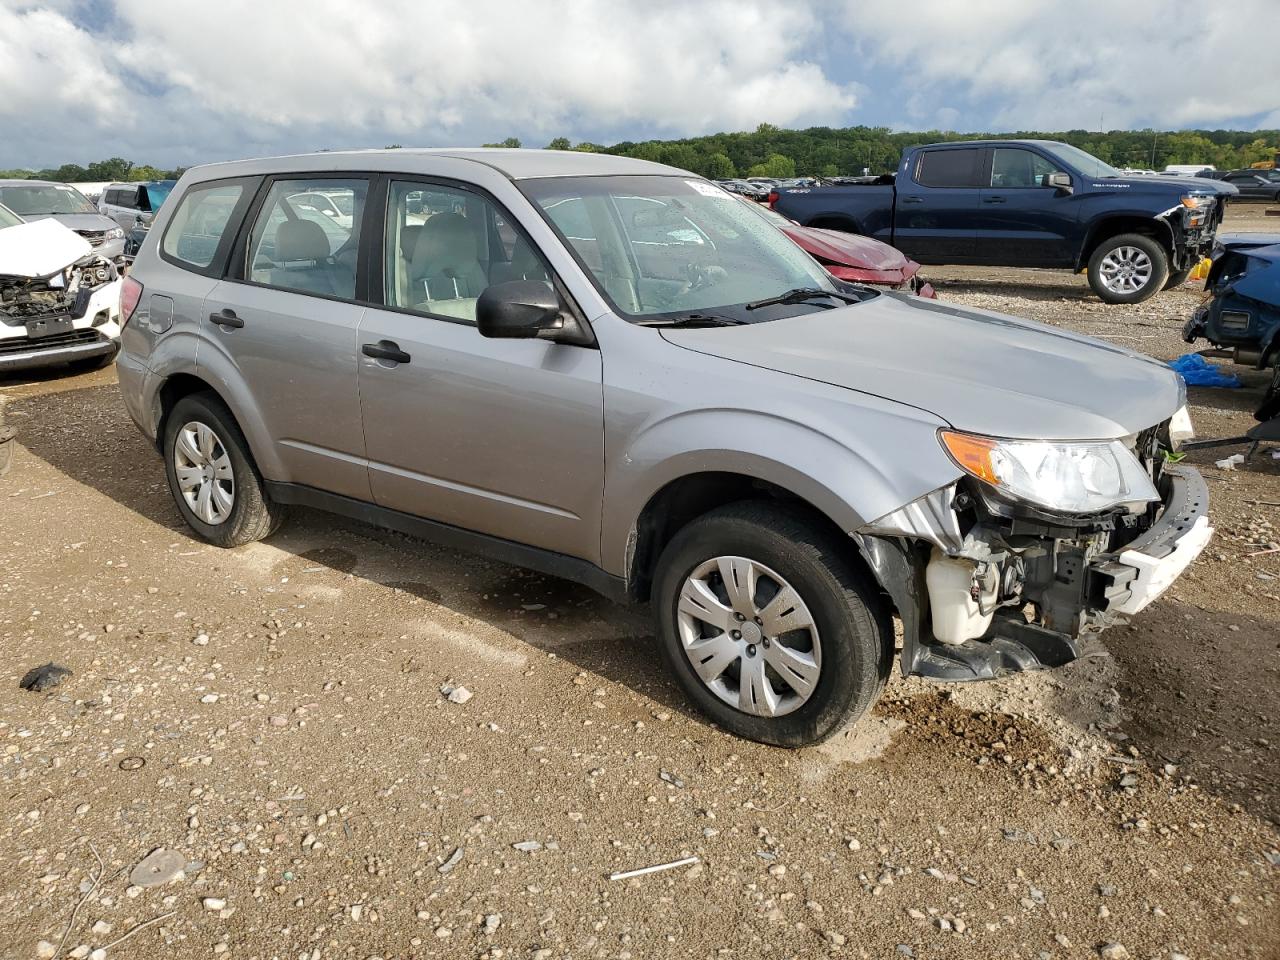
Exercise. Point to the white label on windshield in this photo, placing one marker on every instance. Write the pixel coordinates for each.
(708, 190)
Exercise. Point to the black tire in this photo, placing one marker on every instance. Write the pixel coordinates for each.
(1178, 279)
(851, 619)
(1155, 281)
(253, 515)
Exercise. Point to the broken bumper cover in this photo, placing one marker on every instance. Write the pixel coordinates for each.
(61, 339)
(1076, 595)
(1147, 567)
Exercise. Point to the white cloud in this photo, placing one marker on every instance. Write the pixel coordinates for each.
(1041, 64)
(243, 75)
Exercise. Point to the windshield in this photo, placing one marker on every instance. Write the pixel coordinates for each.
(666, 246)
(8, 218)
(1086, 163)
(44, 198)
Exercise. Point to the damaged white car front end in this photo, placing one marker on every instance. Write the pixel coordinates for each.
(59, 299)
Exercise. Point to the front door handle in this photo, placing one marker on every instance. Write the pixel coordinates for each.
(385, 350)
(993, 199)
(912, 199)
(226, 317)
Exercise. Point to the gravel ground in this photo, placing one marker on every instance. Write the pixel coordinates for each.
(275, 715)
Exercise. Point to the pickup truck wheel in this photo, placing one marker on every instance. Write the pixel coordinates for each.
(767, 627)
(212, 476)
(1178, 279)
(1128, 268)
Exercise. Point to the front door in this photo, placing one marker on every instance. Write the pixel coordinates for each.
(1022, 220)
(502, 437)
(286, 329)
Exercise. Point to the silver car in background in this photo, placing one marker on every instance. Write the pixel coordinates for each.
(612, 371)
(43, 199)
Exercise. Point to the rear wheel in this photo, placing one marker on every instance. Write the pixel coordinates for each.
(1128, 268)
(768, 628)
(212, 475)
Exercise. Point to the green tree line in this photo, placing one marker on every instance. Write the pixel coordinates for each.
(770, 151)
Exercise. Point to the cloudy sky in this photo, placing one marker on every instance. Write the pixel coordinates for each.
(178, 81)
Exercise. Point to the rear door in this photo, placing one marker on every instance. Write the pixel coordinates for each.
(936, 206)
(281, 327)
(1021, 220)
(502, 437)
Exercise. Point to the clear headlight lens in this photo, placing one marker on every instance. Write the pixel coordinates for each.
(115, 233)
(1064, 477)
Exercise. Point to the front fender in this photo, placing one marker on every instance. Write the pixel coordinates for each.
(850, 482)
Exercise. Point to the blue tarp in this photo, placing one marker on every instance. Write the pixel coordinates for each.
(1199, 372)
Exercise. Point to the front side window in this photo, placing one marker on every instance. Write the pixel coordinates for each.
(199, 222)
(445, 246)
(299, 244)
(669, 246)
(29, 200)
(950, 168)
(1015, 168)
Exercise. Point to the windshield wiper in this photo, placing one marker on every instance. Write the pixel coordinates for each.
(800, 295)
(694, 320)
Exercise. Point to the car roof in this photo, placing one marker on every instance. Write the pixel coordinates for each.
(514, 163)
(33, 183)
(993, 143)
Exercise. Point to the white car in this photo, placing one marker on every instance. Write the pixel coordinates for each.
(59, 299)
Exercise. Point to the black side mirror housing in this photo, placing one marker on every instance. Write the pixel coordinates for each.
(520, 310)
(1059, 181)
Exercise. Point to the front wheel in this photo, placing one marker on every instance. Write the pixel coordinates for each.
(768, 628)
(1129, 268)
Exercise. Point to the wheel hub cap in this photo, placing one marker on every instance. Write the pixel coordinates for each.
(749, 636)
(1125, 270)
(205, 477)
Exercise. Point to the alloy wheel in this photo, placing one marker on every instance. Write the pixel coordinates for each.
(749, 636)
(1126, 270)
(205, 475)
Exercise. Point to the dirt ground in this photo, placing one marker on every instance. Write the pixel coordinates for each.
(274, 715)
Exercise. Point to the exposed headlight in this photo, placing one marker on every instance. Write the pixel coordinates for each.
(1180, 428)
(1064, 477)
(1198, 207)
(115, 233)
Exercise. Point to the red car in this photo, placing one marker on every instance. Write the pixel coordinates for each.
(848, 256)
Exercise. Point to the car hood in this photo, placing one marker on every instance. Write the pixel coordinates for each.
(980, 371)
(39, 249)
(847, 249)
(76, 221)
(1183, 184)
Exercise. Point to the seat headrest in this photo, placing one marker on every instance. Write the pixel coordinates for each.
(446, 240)
(300, 240)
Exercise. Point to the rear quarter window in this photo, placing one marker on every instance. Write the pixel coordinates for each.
(950, 168)
(200, 222)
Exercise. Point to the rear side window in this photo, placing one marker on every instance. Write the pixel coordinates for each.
(950, 168)
(303, 241)
(200, 221)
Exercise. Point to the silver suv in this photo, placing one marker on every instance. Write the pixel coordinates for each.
(612, 371)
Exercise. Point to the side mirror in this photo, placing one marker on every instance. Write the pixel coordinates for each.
(1059, 181)
(520, 309)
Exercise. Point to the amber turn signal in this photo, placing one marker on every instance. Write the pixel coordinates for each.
(973, 454)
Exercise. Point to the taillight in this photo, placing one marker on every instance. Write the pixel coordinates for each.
(773, 198)
(130, 297)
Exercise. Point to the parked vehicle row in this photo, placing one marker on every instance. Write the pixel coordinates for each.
(35, 200)
(1029, 203)
(613, 371)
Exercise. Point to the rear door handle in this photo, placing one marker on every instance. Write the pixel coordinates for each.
(913, 199)
(385, 350)
(993, 199)
(226, 317)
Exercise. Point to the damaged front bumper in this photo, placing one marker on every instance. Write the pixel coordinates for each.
(1040, 589)
(77, 319)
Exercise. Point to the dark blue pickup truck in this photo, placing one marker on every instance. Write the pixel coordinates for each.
(1028, 203)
